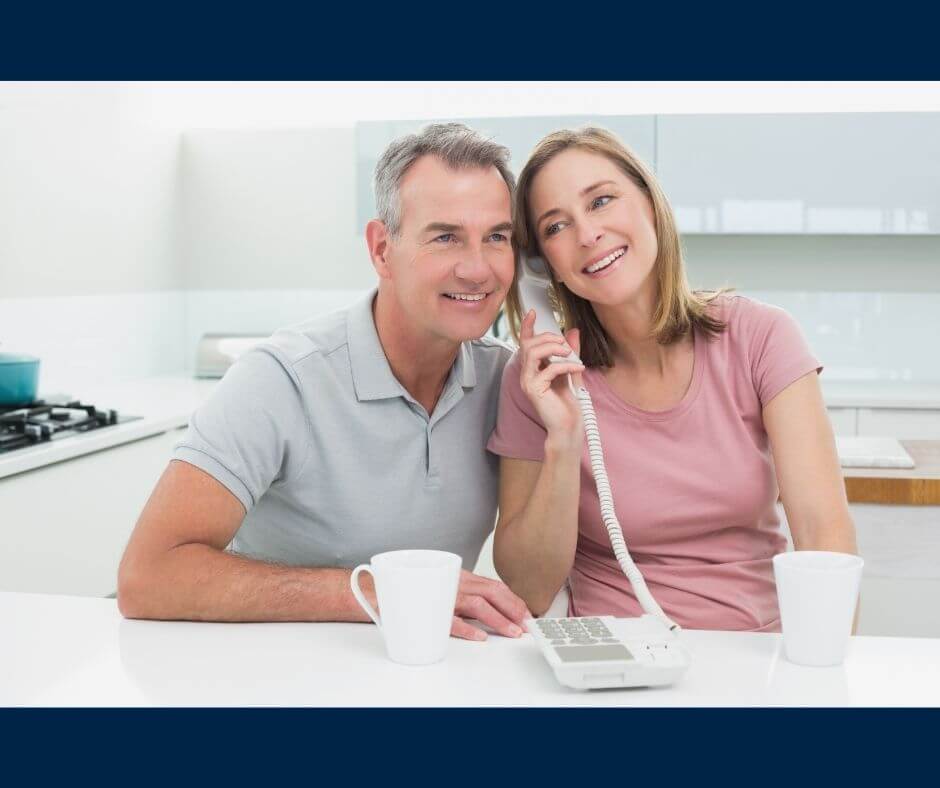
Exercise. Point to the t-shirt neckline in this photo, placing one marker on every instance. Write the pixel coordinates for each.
(598, 383)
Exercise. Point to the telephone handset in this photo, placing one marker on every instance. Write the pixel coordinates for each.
(534, 283)
(577, 663)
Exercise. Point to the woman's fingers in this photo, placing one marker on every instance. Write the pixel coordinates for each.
(540, 350)
(537, 377)
(538, 370)
(546, 345)
(543, 350)
(540, 339)
(543, 380)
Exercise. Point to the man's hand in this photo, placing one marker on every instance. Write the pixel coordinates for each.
(491, 603)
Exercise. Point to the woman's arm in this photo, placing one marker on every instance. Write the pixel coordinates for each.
(808, 472)
(537, 531)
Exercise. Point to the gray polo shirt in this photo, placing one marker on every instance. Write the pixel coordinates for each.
(334, 461)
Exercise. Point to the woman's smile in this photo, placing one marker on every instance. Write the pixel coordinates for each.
(602, 265)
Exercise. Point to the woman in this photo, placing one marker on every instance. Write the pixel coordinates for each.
(708, 405)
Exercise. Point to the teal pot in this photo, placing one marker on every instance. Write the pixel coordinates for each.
(19, 379)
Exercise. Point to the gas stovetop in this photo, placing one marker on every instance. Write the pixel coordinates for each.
(29, 425)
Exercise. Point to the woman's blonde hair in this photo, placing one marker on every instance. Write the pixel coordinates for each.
(679, 308)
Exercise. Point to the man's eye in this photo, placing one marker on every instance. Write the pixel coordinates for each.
(498, 237)
(446, 238)
(600, 202)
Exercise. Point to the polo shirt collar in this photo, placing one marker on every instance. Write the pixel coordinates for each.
(372, 376)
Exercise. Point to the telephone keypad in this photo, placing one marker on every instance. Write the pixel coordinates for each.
(575, 631)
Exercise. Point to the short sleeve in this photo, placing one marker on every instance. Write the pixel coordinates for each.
(519, 433)
(251, 432)
(777, 349)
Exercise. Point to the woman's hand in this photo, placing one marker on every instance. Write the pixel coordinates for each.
(546, 384)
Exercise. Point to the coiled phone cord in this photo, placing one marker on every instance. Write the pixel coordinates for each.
(614, 531)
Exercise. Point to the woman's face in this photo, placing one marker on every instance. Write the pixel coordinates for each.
(595, 227)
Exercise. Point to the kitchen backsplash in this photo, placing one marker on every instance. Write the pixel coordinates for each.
(84, 339)
(867, 336)
(81, 339)
(857, 336)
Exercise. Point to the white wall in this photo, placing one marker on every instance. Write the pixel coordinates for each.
(90, 265)
(88, 194)
(272, 209)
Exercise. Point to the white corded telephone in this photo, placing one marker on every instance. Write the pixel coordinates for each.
(605, 651)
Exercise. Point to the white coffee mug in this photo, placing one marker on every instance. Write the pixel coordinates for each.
(416, 592)
(818, 593)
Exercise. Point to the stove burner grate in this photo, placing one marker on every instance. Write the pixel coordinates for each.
(37, 422)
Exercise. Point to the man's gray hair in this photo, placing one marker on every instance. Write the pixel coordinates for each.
(457, 145)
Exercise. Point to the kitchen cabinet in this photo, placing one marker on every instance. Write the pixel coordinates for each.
(901, 579)
(834, 173)
(899, 423)
(64, 526)
(518, 134)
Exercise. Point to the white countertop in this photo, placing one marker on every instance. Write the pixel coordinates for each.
(165, 403)
(79, 651)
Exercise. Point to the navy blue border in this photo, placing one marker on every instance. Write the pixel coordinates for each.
(469, 41)
(740, 746)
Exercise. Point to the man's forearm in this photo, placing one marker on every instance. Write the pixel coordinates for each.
(196, 582)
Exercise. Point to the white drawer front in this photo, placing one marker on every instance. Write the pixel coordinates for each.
(900, 424)
(843, 420)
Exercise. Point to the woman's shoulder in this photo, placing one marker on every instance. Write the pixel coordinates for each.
(745, 317)
(768, 339)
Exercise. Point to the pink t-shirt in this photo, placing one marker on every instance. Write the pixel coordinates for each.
(694, 486)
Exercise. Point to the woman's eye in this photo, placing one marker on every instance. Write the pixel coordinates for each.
(553, 228)
(600, 202)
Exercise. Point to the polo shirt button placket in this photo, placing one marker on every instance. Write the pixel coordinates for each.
(433, 477)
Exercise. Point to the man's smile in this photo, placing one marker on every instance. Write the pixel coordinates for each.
(470, 299)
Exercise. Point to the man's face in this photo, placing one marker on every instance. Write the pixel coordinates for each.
(452, 263)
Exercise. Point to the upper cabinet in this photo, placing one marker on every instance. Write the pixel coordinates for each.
(872, 173)
(518, 134)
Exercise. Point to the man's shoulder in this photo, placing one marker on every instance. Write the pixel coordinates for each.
(318, 336)
(490, 355)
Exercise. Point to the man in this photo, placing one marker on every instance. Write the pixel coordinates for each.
(354, 433)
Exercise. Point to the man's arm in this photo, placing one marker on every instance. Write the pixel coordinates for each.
(175, 565)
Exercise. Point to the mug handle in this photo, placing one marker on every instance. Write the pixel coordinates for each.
(360, 597)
